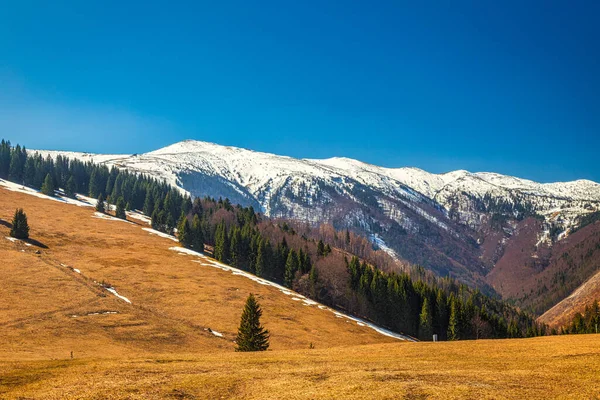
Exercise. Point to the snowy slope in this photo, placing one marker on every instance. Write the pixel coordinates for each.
(449, 212)
(285, 186)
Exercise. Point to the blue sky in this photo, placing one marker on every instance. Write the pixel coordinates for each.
(511, 87)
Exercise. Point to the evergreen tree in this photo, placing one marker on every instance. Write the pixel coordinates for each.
(5, 158)
(291, 266)
(260, 263)
(320, 249)
(120, 212)
(48, 186)
(20, 228)
(251, 335)
(236, 248)
(453, 322)
(94, 185)
(184, 232)
(148, 203)
(17, 164)
(425, 321)
(221, 243)
(314, 275)
(197, 234)
(441, 315)
(70, 188)
(100, 204)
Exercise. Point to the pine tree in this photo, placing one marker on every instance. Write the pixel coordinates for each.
(197, 234)
(236, 248)
(314, 275)
(441, 315)
(20, 228)
(48, 186)
(100, 204)
(184, 232)
(169, 222)
(260, 264)
(70, 188)
(4, 158)
(251, 335)
(320, 249)
(148, 203)
(94, 185)
(17, 164)
(120, 212)
(425, 321)
(221, 243)
(453, 322)
(291, 265)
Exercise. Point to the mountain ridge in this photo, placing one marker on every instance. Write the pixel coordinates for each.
(457, 223)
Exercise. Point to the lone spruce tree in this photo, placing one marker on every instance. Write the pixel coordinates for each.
(20, 228)
(251, 335)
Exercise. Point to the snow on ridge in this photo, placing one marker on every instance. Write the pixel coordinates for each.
(253, 169)
(266, 179)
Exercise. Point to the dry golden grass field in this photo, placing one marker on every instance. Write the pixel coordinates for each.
(161, 345)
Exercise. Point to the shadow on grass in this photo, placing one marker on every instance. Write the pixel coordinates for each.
(36, 243)
(31, 241)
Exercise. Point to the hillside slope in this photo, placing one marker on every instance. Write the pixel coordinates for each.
(562, 313)
(53, 304)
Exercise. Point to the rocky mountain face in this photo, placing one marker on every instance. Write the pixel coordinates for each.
(460, 223)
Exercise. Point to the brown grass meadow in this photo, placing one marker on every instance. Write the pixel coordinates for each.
(161, 346)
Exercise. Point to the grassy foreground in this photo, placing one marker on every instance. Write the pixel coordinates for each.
(541, 368)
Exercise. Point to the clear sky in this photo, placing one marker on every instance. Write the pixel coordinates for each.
(504, 86)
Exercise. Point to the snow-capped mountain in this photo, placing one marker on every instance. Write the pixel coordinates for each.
(458, 222)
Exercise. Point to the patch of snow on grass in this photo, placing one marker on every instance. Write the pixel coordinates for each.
(12, 239)
(161, 234)
(113, 291)
(139, 216)
(99, 215)
(218, 334)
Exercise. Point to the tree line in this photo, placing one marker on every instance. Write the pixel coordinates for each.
(126, 190)
(443, 307)
(588, 322)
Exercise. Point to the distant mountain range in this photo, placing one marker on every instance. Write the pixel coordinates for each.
(486, 229)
